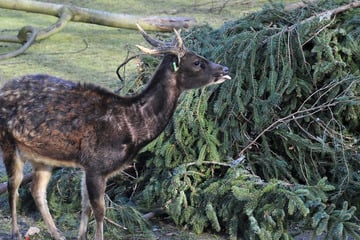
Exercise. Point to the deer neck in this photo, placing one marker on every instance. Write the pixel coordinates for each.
(153, 108)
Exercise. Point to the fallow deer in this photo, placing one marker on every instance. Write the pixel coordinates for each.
(52, 122)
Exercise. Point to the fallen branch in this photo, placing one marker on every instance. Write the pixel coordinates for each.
(26, 179)
(154, 213)
(85, 15)
(28, 41)
(114, 223)
(28, 34)
(330, 13)
(326, 15)
(67, 13)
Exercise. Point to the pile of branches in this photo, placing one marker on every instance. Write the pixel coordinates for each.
(278, 145)
(270, 153)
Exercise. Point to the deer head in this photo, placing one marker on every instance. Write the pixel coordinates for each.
(185, 63)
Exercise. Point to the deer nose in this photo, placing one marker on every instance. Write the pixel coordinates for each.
(226, 70)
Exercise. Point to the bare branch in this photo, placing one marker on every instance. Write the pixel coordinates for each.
(303, 112)
(326, 15)
(153, 213)
(23, 33)
(100, 17)
(72, 13)
(114, 223)
(35, 35)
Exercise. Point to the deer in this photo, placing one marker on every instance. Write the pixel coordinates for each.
(51, 122)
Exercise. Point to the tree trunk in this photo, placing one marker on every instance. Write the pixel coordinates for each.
(100, 17)
(65, 13)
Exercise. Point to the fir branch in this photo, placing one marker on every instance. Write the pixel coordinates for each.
(326, 15)
(293, 104)
(305, 112)
(319, 31)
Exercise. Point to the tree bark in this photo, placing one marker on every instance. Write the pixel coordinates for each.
(85, 15)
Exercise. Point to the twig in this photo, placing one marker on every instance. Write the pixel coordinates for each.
(114, 223)
(321, 16)
(136, 182)
(329, 13)
(303, 113)
(293, 116)
(208, 162)
(319, 31)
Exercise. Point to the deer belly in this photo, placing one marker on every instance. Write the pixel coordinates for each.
(27, 154)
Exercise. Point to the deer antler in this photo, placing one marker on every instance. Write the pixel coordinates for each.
(176, 46)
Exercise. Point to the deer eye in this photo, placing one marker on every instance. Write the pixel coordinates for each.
(197, 63)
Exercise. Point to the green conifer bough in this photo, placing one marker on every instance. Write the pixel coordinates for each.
(275, 150)
(278, 145)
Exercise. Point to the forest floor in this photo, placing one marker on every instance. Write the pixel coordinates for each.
(90, 53)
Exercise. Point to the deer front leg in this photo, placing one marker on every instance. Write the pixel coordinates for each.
(96, 192)
(85, 210)
(41, 178)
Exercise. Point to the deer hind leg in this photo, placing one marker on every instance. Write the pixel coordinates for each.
(41, 178)
(96, 192)
(14, 167)
(85, 209)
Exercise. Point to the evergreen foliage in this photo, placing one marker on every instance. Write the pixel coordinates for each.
(275, 147)
(65, 202)
(271, 152)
